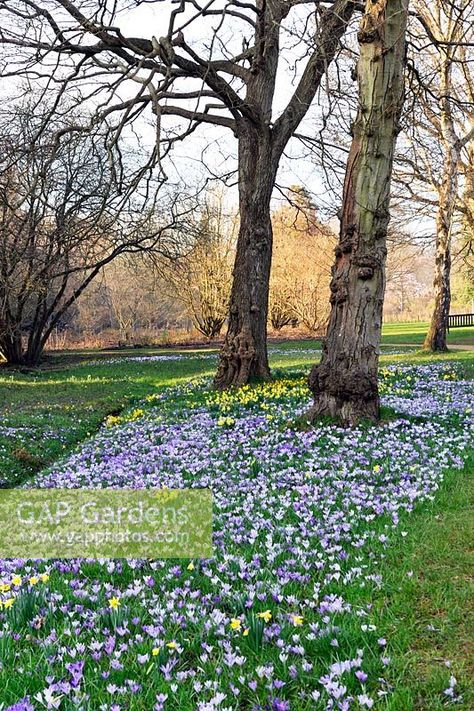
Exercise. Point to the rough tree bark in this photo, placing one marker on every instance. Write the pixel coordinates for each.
(244, 355)
(344, 384)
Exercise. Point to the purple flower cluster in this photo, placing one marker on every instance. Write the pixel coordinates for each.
(302, 519)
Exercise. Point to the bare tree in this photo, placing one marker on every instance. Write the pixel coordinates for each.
(466, 207)
(195, 82)
(345, 383)
(127, 303)
(280, 312)
(63, 217)
(433, 164)
(451, 24)
(130, 294)
(301, 266)
(201, 279)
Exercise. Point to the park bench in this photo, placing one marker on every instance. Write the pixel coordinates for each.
(460, 321)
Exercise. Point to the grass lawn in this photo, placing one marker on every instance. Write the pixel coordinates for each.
(428, 601)
(424, 606)
(414, 333)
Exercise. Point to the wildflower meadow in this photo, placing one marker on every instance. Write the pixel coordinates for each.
(291, 611)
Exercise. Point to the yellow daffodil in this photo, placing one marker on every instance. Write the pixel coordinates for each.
(171, 645)
(33, 580)
(225, 421)
(191, 566)
(235, 624)
(8, 603)
(155, 651)
(246, 631)
(267, 615)
(112, 420)
(44, 577)
(297, 620)
(114, 603)
(16, 580)
(377, 468)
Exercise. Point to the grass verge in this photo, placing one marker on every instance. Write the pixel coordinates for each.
(427, 605)
(414, 333)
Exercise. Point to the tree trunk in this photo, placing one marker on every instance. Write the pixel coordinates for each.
(261, 145)
(345, 383)
(243, 355)
(36, 343)
(435, 340)
(436, 337)
(468, 197)
(11, 347)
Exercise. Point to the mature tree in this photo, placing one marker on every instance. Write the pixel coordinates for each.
(63, 216)
(434, 152)
(451, 24)
(345, 382)
(196, 81)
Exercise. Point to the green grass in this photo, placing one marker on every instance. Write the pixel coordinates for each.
(414, 334)
(72, 402)
(427, 607)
